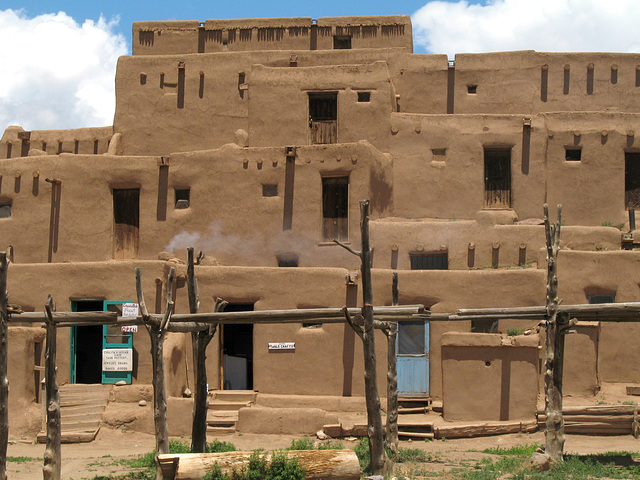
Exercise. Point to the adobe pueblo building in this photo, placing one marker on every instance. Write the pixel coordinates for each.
(254, 141)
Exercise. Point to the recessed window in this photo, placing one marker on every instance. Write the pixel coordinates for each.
(311, 325)
(342, 42)
(439, 152)
(429, 261)
(287, 260)
(601, 298)
(472, 89)
(270, 190)
(364, 97)
(5, 208)
(573, 154)
(183, 198)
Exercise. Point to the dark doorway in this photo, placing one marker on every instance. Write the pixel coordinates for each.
(126, 217)
(86, 354)
(323, 117)
(237, 351)
(335, 208)
(497, 177)
(632, 180)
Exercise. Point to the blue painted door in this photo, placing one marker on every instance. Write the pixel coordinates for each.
(114, 338)
(413, 358)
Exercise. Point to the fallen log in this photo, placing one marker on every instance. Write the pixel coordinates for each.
(593, 418)
(318, 464)
(596, 410)
(484, 429)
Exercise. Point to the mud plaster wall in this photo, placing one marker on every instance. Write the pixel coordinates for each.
(170, 37)
(489, 377)
(79, 140)
(613, 273)
(25, 349)
(217, 219)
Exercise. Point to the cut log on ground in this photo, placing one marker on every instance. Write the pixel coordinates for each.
(484, 429)
(596, 410)
(318, 464)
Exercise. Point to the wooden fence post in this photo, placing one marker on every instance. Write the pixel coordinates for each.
(52, 454)
(391, 436)
(379, 460)
(4, 382)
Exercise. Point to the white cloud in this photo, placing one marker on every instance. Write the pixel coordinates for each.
(542, 25)
(56, 73)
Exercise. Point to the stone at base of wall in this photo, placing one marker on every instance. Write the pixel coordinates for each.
(283, 420)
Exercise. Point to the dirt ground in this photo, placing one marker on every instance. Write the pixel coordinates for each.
(85, 461)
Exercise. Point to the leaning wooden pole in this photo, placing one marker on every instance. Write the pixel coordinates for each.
(157, 330)
(555, 326)
(379, 459)
(52, 453)
(4, 382)
(391, 436)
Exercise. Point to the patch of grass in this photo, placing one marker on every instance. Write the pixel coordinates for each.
(364, 455)
(409, 455)
(23, 459)
(330, 445)
(304, 443)
(218, 447)
(513, 332)
(258, 468)
(519, 450)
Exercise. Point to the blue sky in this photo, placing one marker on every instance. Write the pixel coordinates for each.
(59, 58)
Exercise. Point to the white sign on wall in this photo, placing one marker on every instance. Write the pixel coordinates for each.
(282, 346)
(117, 360)
(129, 309)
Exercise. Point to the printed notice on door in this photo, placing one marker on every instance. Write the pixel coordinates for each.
(117, 360)
(129, 309)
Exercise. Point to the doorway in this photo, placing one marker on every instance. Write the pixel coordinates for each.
(86, 346)
(497, 177)
(323, 117)
(413, 358)
(126, 222)
(632, 180)
(237, 351)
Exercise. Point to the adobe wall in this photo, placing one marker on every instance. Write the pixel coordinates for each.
(489, 377)
(16, 142)
(228, 234)
(251, 34)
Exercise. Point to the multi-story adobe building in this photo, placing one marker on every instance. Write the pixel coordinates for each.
(254, 140)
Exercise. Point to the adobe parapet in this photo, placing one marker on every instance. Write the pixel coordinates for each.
(298, 33)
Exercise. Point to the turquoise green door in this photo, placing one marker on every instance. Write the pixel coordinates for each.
(116, 342)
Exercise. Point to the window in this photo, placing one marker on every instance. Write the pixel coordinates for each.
(323, 117)
(573, 154)
(5, 208)
(472, 89)
(429, 261)
(497, 177)
(335, 208)
(183, 198)
(342, 42)
(287, 260)
(270, 190)
(364, 97)
(439, 152)
(601, 298)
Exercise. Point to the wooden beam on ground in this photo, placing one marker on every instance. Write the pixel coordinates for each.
(483, 429)
(318, 464)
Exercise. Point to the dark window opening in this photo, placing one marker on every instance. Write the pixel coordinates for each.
(311, 325)
(59, 147)
(9, 147)
(44, 146)
(96, 143)
(237, 351)
(439, 152)
(143, 79)
(270, 190)
(472, 89)
(335, 208)
(497, 177)
(323, 117)
(287, 260)
(429, 261)
(484, 326)
(183, 198)
(342, 42)
(364, 96)
(601, 298)
(632, 180)
(573, 154)
(126, 215)
(5, 208)
(76, 146)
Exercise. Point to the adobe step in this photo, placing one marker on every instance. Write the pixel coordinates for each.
(228, 406)
(220, 430)
(247, 396)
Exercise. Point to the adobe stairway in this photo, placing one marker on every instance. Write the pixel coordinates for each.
(222, 415)
(81, 409)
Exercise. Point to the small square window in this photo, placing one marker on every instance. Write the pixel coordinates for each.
(573, 154)
(5, 209)
(287, 260)
(311, 325)
(183, 198)
(342, 42)
(430, 261)
(270, 190)
(472, 89)
(364, 96)
(439, 152)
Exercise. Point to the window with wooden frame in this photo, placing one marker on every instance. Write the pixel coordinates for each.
(429, 260)
(323, 117)
(335, 208)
